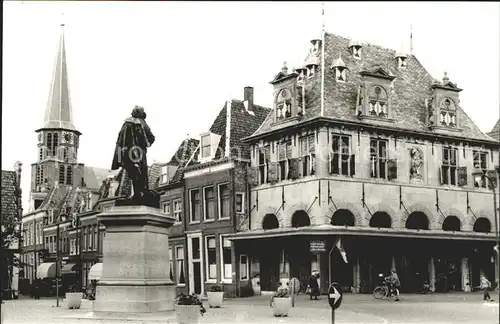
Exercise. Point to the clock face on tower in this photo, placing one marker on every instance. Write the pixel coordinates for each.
(68, 137)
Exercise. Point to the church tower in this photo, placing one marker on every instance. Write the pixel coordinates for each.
(58, 138)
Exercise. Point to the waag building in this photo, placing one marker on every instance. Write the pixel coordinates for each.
(364, 146)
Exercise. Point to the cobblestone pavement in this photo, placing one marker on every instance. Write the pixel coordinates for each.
(433, 309)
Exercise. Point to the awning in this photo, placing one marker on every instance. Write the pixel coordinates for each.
(95, 272)
(360, 231)
(68, 268)
(46, 270)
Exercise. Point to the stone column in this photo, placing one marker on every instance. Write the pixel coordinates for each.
(465, 275)
(135, 273)
(432, 274)
(322, 153)
(356, 275)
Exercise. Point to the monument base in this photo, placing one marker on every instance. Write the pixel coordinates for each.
(135, 273)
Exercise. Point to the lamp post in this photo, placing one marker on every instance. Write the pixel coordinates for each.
(62, 219)
(491, 177)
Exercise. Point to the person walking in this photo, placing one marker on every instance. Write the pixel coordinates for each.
(485, 285)
(314, 287)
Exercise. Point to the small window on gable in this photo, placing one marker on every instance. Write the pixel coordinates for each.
(377, 101)
(164, 174)
(448, 114)
(355, 48)
(339, 69)
(283, 104)
(206, 147)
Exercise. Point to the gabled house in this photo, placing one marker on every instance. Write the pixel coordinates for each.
(380, 161)
(215, 196)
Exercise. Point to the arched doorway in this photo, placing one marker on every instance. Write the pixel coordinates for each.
(415, 260)
(451, 223)
(342, 217)
(417, 220)
(381, 220)
(300, 219)
(270, 256)
(270, 221)
(482, 225)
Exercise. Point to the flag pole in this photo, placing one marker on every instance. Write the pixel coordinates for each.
(323, 59)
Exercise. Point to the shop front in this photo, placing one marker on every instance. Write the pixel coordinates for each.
(447, 261)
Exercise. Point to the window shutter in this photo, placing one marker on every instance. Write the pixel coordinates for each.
(282, 151)
(253, 176)
(330, 160)
(310, 144)
(289, 149)
(462, 176)
(373, 165)
(441, 175)
(352, 164)
(392, 167)
(300, 167)
(272, 175)
(293, 170)
(312, 163)
(492, 183)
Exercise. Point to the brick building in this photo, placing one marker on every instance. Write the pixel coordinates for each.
(11, 204)
(215, 195)
(379, 155)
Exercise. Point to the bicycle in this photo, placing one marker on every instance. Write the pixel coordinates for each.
(384, 291)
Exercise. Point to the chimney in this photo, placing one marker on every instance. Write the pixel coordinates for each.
(248, 98)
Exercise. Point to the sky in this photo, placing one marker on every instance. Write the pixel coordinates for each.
(181, 61)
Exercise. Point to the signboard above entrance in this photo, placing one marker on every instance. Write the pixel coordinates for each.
(317, 246)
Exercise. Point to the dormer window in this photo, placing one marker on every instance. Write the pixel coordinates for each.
(315, 46)
(311, 70)
(164, 174)
(377, 102)
(447, 116)
(283, 104)
(401, 60)
(339, 68)
(355, 48)
(208, 146)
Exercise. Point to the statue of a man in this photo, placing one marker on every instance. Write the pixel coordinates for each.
(131, 146)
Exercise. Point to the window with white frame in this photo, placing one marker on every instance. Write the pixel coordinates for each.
(264, 157)
(85, 239)
(209, 203)
(206, 146)
(449, 168)
(307, 153)
(94, 237)
(177, 206)
(179, 258)
(340, 157)
(377, 102)
(170, 264)
(39, 233)
(51, 216)
(284, 155)
(244, 267)
(224, 201)
(240, 202)
(164, 174)
(226, 259)
(378, 158)
(195, 202)
(211, 259)
(481, 163)
(47, 243)
(165, 206)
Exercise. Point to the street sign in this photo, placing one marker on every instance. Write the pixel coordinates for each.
(317, 246)
(334, 295)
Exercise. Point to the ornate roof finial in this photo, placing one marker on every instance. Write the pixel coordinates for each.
(445, 78)
(284, 69)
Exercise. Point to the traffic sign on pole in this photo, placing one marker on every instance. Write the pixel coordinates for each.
(334, 298)
(334, 295)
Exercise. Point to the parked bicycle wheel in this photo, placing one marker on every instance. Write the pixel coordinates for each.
(379, 292)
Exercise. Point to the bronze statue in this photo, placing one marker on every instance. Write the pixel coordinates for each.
(130, 154)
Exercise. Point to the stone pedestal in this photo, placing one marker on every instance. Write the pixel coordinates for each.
(135, 273)
(432, 274)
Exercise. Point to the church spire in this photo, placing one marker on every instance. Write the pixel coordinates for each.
(58, 114)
